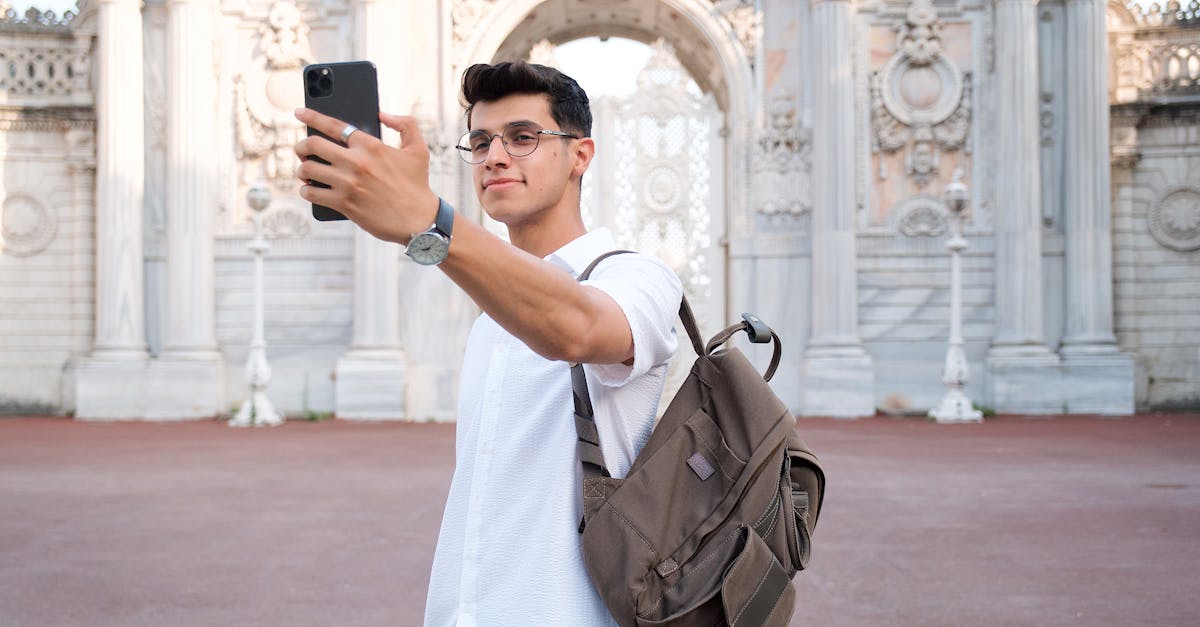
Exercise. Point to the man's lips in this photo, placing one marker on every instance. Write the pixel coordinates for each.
(500, 183)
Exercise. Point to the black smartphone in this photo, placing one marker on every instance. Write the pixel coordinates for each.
(347, 91)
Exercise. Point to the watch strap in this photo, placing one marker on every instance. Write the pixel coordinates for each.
(445, 218)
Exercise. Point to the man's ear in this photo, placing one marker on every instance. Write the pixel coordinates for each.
(585, 150)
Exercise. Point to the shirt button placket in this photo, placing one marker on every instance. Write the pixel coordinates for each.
(476, 508)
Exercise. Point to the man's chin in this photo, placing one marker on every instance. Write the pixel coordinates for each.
(500, 213)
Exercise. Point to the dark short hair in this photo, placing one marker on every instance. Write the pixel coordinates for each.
(569, 104)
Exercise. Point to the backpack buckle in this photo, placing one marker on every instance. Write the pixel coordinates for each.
(758, 331)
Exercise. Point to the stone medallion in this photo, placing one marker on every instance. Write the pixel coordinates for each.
(920, 94)
(663, 190)
(1175, 219)
(26, 226)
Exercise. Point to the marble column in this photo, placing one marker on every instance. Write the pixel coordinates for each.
(1023, 374)
(109, 382)
(187, 380)
(837, 374)
(1099, 378)
(370, 376)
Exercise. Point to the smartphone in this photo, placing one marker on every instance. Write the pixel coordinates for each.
(347, 91)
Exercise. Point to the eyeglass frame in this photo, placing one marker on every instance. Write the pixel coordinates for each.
(465, 151)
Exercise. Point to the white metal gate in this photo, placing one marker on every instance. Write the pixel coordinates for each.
(658, 183)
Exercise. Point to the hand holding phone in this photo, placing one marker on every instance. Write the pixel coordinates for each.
(349, 92)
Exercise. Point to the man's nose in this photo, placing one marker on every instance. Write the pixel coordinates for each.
(496, 154)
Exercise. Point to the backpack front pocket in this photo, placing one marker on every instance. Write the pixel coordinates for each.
(684, 490)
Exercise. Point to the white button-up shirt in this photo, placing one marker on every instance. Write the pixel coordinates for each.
(509, 552)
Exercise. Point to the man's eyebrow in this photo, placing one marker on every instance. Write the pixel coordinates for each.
(511, 124)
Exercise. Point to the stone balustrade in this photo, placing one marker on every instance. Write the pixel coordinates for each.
(43, 61)
(1155, 53)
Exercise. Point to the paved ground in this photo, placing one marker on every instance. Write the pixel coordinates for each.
(1062, 521)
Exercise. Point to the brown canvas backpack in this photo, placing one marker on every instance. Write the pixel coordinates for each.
(716, 514)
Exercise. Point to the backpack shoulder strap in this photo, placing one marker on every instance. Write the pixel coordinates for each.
(588, 443)
(587, 434)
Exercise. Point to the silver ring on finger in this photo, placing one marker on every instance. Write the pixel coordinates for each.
(347, 132)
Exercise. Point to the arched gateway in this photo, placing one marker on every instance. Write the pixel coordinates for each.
(131, 132)
(663, 157)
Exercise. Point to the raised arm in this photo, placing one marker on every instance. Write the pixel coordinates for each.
(385, 191)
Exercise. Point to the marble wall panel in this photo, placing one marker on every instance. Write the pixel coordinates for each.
(46, 270)
(308, 310)
(1157, 288)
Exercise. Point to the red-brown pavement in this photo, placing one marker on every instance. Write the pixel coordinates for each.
(1018, 521)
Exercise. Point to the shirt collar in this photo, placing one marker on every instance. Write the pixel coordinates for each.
(576, 255)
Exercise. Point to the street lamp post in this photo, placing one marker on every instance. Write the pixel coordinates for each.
(955, 406)
(257, 410)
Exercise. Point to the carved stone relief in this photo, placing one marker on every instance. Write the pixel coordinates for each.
(743, 17)
(1174, 220)
(465, 17)
(1153, 50)
(154, 100)
(286, 223)
(39, 62)
(542, 53)
(267, 92)
(445, 165)
(745, 20)
(1046, 118)
(920, 101)
(921, 216)
(781, 164)
(27, 225)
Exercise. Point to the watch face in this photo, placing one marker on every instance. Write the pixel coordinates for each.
(428, 249)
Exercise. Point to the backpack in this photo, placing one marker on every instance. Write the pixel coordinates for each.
(716, 514)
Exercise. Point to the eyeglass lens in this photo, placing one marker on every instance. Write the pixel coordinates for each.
(518, 141)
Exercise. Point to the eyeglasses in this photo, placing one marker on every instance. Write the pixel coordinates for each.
(518, 141)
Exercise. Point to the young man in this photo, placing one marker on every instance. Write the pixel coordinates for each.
(509, 551)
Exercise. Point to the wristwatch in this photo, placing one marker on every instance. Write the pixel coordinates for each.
(431, 246)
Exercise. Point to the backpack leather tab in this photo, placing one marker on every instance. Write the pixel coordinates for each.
(759, 333)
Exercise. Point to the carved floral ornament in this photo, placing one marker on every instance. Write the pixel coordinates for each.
(920, 101)
(921, 216)
(1174, 220)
